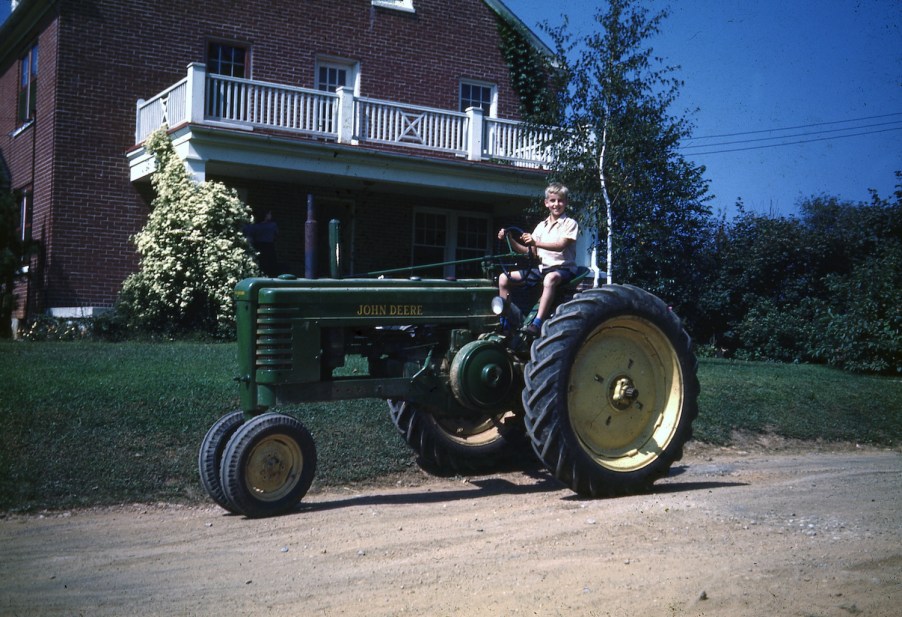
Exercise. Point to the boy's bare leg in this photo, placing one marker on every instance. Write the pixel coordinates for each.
(549, 284)
(505, 283)
(504, 286)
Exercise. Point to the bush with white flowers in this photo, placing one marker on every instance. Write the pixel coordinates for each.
(192, 252)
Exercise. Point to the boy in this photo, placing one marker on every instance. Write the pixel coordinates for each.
(554, 241)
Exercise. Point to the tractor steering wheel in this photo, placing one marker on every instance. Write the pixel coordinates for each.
(520, 261)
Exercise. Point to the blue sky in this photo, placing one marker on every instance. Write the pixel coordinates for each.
(831, 67)
(752, 67)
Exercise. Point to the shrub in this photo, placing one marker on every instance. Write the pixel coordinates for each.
(825, 287)
(192, 252)
(779, 333)
(107, 326)
(864, 329)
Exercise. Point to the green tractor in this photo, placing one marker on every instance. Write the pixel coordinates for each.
(606, 394)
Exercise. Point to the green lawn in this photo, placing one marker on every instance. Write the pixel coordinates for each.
(799, 401)
(98, 423)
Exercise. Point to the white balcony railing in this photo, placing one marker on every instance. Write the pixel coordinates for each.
(256, 103)
(383, 122)
(509, 141)
(168, 107)
(228, 101)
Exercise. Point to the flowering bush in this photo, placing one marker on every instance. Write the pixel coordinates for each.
(192, 252)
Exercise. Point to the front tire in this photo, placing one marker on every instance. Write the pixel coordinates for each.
(209, 457)
(448, 446)
(268, 465)
(611, 391)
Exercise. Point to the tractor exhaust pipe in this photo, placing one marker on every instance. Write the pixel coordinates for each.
(335, 248)
(310, 270)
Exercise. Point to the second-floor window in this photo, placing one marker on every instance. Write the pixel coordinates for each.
(476, 94)
(231, 60)
(331, 77)
(332, 74)
(227, 59)
(28, 84)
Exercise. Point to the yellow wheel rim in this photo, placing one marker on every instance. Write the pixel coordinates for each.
(473, 432)
(625, 393)
(274, 468)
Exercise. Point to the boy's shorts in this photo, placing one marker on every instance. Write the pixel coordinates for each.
(533, 276)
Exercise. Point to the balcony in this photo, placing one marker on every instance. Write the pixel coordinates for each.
(217, 102)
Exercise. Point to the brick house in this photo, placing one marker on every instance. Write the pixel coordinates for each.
(396, 117)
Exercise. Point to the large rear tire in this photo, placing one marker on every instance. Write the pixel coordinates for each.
(611, 391)
(268, 465)
(448, 446)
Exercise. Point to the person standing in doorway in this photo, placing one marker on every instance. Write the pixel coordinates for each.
(263, 238)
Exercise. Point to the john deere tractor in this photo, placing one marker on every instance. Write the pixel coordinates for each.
(606, 394)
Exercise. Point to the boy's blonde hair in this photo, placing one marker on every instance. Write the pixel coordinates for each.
(556, 188)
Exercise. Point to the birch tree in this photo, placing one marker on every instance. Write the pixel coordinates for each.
(616, 148)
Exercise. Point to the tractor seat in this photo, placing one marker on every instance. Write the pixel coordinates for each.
(580, 275)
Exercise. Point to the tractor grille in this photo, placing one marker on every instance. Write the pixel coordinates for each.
(274, 337)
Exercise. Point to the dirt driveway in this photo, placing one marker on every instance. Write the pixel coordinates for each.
(730, 533)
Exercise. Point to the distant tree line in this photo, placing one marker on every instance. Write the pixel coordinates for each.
(824, 286)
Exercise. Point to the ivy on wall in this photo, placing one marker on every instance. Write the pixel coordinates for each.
(529, 72)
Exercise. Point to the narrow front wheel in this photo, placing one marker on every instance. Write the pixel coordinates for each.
(268, 465)
(209, 457)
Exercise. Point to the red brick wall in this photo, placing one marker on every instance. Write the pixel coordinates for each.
(27, 149)
(106, 54)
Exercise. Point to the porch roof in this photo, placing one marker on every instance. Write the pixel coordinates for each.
(219, 151)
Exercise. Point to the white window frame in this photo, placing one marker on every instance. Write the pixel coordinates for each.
(26, 213)
(493, 105)
(26, 93)
(397, 5)
(332, 62)
(452, 218)
(246, 65)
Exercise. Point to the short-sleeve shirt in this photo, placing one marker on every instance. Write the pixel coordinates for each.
(553, 231)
